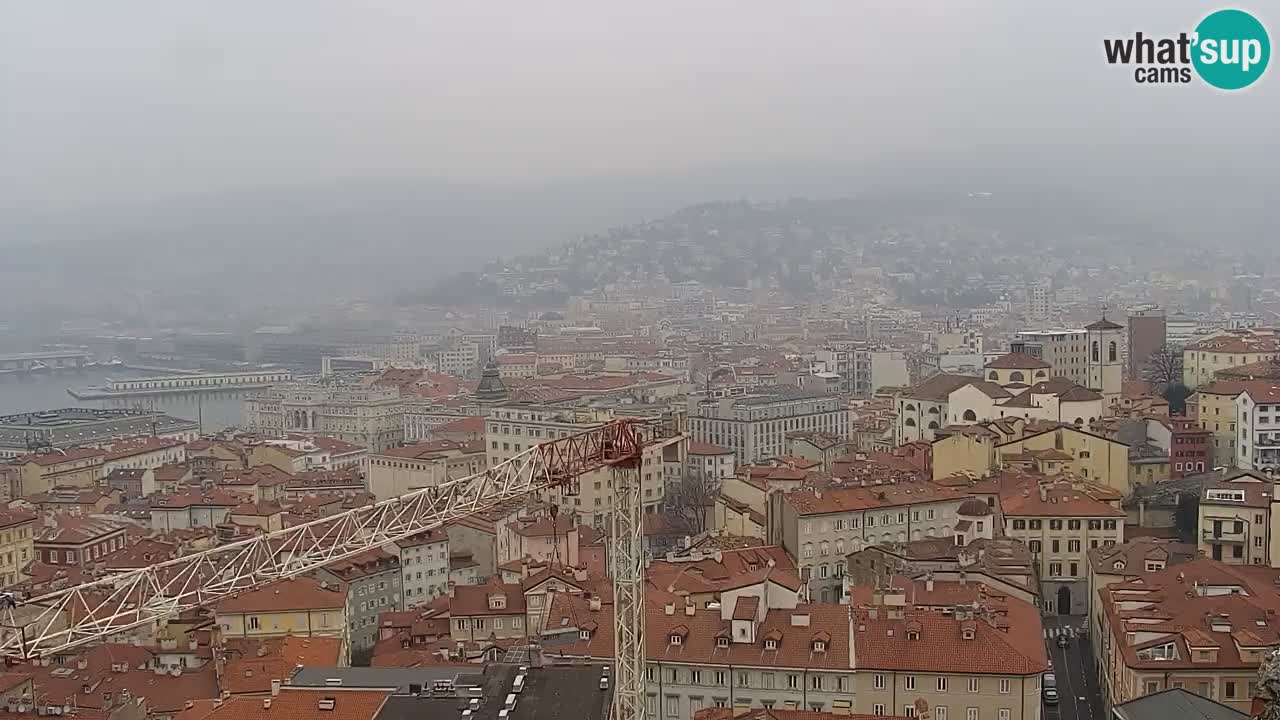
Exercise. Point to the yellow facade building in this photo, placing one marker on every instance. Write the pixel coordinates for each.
(17, 530)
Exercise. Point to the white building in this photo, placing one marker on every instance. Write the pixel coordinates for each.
(755, 425)
(424, 560)
(1258, 422)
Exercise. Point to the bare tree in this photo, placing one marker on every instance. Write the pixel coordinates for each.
(689, 502)
(1164, 369)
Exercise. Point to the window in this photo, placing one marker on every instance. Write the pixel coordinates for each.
(1229, 690)
(1055, 524)
(971, 714)
(940, 712)
(1152, 687)
(1035, 546)
(1073, 546)
(1019, 524)
(1004, 686)
(720, 677)
(793, 681)
(1056, 546)
(909, 682)
(253, 622)
(909, 711)
(942, 683)
(815, 682)
(1004, 713)
(973, 684)
(877, 709)
(878, 682)
(744, 679)
(673, 705)
(695, 677)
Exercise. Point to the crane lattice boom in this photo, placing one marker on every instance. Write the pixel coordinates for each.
(60, 621)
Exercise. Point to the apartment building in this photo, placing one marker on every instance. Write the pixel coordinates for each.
(514, 428)
(372, 583)
(146, 452)
(1090, 356)
(1234, 523)
(365, 415)
(68, 540)
(300, 606)
(1066, 448)
(16, 549)
(1134, 559)
(1257, 419)
(1213, 405)
(1060, 520)
(480, 612)
(75, 467)
(1202, 626)
(711, 464)
(424, 558)
(863, 370)
(396, 471)
(768, 650)
(1202, 359)
(1146, 338)
(821, 526)
(755, 425)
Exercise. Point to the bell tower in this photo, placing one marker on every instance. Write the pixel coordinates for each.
(1106, 366)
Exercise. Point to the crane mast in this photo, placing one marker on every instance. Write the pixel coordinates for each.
(60, 621)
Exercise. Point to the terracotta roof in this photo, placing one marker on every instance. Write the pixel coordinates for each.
(706, 572)
(473, 424)
(746, 607)
(303, 704)
(474, 599)
(172, 472)
(847, 499)
(75, 530)
(300, 593)
(697, 447)
(140, 446)
(1130, 558)
(1237, 342)
(255, 663)
(939, 387)
(9, 518)
(1018, 361)
(1062, 499)
(974, 507)
(1261, 391)
(1202, 603)
(990, 389)
(1009, 644)
(719, 713)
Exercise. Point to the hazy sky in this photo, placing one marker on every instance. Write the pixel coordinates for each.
(121, 101)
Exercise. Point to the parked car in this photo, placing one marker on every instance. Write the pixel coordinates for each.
(1050, 696)
(1063, 641)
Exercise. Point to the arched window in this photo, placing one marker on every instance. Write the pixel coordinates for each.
(993, 375)
(1040, 373)
(933, 410)
(910, 422)
(1016, 376)
(1111, 351)
(1096, 354)
(1079, 422)
(839, 546)
(970, 416)
(933, 424)
(910, 408)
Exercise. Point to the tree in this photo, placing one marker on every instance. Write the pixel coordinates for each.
(689, 502)
(1177, 395)
(1163, 369)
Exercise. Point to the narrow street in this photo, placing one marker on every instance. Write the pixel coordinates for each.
(1079, 695)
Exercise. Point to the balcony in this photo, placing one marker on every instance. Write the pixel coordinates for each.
(1223, 536)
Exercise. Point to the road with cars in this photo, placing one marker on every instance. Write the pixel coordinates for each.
(1079, 694)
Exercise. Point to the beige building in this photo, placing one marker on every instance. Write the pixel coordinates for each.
(1202, 359)
(370, 416)
(394, 472)
(299, 606)
(1202, 626)
(74, 467)
(1213, 405)
(17, 530)
(1093, 457)
(1060, 521)
(763, 648)
(1235, 519)
(822, 526)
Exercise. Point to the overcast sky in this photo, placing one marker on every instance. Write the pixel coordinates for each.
(124, 101)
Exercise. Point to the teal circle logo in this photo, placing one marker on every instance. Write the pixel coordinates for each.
(1231, 49)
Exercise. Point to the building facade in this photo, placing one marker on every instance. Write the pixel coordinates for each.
(1146, 338)
(370, 416)
(755, 426)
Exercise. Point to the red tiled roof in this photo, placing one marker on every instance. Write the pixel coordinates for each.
(140, 445)
(846, 499)
(697, 447)
(474, 599)
(303, 704)
(300, 593)
(1012, 644)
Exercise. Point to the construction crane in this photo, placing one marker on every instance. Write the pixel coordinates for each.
(60, 621)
